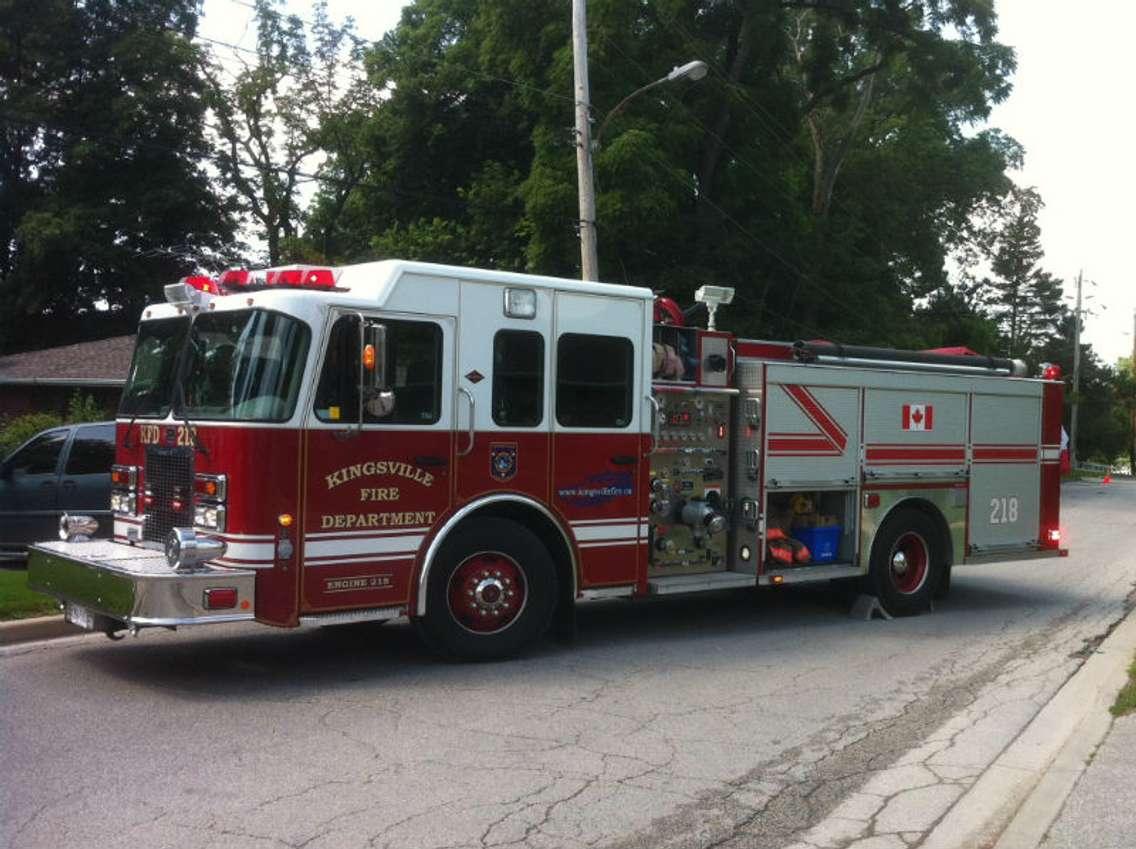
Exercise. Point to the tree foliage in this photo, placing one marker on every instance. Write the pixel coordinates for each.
(103, 193)
(299, 96)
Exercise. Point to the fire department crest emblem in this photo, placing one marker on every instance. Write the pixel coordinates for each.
(503, 460)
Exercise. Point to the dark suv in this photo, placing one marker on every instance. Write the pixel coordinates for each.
(61, 470)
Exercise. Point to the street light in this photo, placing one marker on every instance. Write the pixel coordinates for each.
(695, 70)
(585, 178)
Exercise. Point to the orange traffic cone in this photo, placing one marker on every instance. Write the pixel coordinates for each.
(1107, 479)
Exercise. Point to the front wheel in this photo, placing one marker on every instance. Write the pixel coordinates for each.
(907, 563)
(491, 591)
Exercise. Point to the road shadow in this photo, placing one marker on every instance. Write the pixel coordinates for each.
(234, 662)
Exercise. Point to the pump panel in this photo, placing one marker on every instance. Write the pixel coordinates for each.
(690, 485)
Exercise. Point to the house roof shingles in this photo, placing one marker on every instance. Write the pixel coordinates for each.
(101, 363)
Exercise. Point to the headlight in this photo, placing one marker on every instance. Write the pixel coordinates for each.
(211, 516)
(122, 502)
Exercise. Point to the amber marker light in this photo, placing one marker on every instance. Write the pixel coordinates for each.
(778, 579)
(369, 357)
(285, 520)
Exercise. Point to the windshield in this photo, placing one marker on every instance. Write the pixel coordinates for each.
(149, 384)
(245, 365)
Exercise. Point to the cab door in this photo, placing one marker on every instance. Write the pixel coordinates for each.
(372, 492)
(503, 431)
(598, 424)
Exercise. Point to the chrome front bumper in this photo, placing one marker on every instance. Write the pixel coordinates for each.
(125, 586)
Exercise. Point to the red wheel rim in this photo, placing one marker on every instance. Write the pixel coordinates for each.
(907, 563)
(487, 592)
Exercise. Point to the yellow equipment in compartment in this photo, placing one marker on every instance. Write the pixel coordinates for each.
(689, 484)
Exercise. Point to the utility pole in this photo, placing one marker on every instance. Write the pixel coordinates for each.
(589, 259)
(1076, 372)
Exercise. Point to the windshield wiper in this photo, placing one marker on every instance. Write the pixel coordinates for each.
(136, 412)
(179, 385)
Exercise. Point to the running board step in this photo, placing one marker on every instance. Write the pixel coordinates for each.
(699, 583)
(805, 574)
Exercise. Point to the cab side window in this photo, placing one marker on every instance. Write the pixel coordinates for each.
(414, 371)
(518, 378)
(595, 379)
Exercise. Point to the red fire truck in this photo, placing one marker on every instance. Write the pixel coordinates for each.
(480, 450)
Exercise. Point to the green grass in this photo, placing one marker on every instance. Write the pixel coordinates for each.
(18, 602)
(1126, 698)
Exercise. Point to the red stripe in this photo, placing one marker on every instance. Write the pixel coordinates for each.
(801, 443)
(916, 455)
(818, 415)
(1013, 455)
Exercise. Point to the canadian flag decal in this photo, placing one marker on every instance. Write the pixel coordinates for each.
(918, 416)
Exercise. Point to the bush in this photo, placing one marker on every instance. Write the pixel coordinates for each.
(84, 408)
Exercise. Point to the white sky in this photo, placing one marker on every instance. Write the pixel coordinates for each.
(1071, 108)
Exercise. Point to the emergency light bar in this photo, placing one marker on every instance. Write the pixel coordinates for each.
(300, 275)
(188, 290)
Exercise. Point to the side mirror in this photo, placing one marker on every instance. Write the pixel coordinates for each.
(375, 395)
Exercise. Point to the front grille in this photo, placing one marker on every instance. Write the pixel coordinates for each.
(169, 477)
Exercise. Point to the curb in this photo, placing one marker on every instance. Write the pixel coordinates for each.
(1016, 800)
(38, 628)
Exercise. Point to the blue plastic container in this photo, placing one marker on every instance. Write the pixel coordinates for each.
(823, 543)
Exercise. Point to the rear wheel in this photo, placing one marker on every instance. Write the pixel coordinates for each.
(907, 563)
(491, 591)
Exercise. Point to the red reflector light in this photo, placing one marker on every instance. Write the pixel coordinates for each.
(721, 431)
(202, 283)
(301, 275)
(220, 598)
(872, 500)
(235, 277)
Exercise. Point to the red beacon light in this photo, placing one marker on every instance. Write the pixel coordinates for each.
(235, 278)
(201, 283)
(304, 276)
(1050, 371)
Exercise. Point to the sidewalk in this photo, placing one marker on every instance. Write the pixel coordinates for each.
(1100, 812)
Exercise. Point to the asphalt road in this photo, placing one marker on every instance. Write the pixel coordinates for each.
(740, 720)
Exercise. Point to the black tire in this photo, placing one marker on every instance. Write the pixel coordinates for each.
(507, 576)
(944, 587)
(906, 585)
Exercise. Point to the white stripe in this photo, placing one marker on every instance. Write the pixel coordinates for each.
(381, 545)
(601, 521)
(250, 550)
(371, 533)
(611, 543)
(248, 537)
(1050, 453)
(606, 532)
(342, 561)
(249, 563)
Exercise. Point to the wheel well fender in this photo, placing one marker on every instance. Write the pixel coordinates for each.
(523, 510)
(934, 513)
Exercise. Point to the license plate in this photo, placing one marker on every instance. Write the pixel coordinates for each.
(80, 616)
